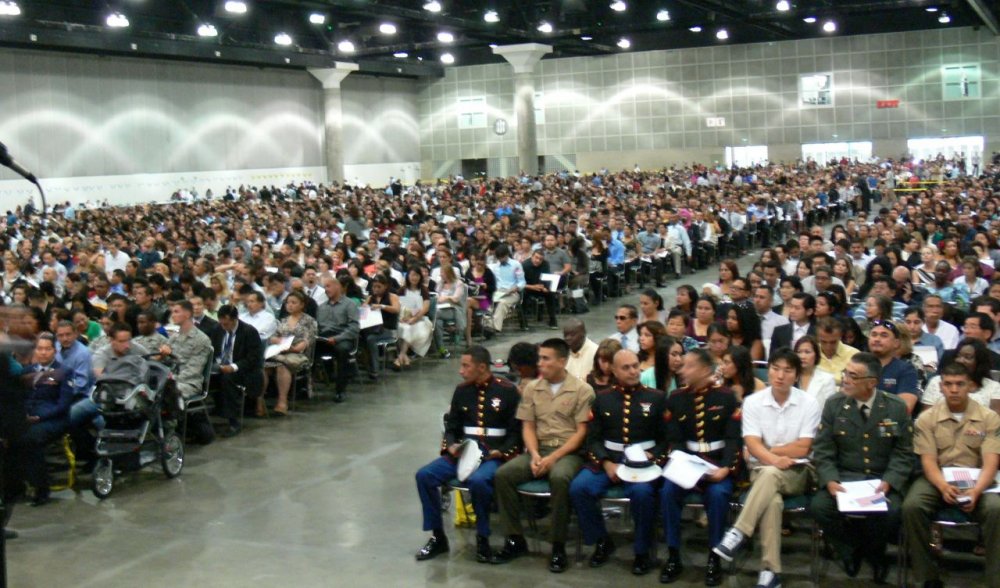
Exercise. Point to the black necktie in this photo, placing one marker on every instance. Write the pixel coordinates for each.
(864, 412)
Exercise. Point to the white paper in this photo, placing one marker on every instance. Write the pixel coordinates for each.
(552, 281)
(275, 348)
(685, 469)
(444, 305)
(995, 489)
(963, 478)
(927, 354)
(861, 497)
(367, 318)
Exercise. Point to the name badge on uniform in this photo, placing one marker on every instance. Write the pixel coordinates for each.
(889, 383)
(974, 433)
(888, 428)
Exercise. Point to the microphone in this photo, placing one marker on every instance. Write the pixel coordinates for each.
(7, 161)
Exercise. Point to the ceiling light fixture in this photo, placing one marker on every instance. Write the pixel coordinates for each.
(663, 15)
(809, 19)
(544, 27)
(446, 37)
(433, 6)
(783, 6)
(236, 7)
(345, 47)
(401, 55)
(619, 6)
(447, 59)
(283, 39)
(586, 38)
(624, 43)
(207, 30)
(722, 34)
(695, 29)
(117, 20)
(491, 16)
(932, 9)
(387, 28)
(829, 26)
(944, 18)
(317, 18)
(9, 9)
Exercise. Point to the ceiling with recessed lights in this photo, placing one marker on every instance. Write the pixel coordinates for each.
(419, 37)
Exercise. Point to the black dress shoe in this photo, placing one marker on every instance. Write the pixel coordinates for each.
(852, 563)
(558, 562)
(9, 534)
(672, 569)
(602, 551)
(433, 548)
(713, 571)
(232, 431)
(484, 554)
(42, 497)
(513, 547)
(880, 567)
(641, 565)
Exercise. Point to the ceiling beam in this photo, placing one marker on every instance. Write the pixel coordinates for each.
(986, 15)
(722, 9)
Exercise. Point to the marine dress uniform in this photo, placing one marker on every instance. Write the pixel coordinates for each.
(620, 417)
(850, 447)
(486, 412)
(703, 422)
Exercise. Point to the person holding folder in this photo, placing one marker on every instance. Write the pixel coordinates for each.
(864, 434)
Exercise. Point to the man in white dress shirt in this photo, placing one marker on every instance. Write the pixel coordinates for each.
(769, 319)
(933, 313)
(312, 287)
(581, 349)
(626, 318)
(779, 424)
(259, 317)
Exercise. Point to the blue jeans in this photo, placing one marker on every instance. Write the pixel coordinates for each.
(716, 498)
(589, 486)
(442, 470)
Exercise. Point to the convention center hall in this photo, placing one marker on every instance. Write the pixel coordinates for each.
(480, 293)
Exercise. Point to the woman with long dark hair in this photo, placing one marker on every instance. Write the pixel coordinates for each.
(649, 334)
(736, 369)
(744, 329)
(975, 356)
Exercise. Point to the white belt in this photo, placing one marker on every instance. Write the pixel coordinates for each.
(484, 432)
(703, 447)
(613, 446)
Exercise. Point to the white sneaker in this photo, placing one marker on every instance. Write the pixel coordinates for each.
(730, 545)
(768, 579)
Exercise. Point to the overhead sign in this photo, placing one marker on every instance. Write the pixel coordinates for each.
(714, 121)
(887, 104)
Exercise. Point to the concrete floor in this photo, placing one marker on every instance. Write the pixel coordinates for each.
(323, 498)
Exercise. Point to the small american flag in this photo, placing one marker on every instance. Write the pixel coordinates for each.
(963, 479)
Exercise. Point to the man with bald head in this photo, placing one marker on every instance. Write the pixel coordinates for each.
(626, 414)
(581, 349)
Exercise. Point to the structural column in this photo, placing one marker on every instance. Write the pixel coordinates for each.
(333, 116)
(524, 58)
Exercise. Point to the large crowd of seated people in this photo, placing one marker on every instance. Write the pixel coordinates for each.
(861, 345)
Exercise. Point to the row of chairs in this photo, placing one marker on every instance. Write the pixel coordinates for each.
(950, 520)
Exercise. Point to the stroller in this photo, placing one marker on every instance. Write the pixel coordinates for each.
(138, 427)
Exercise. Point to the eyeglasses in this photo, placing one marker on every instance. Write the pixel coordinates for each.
(622, 317)
(849, 376)
(886, 325)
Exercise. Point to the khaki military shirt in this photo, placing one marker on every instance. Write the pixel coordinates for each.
(556, 416)
(958, 443)
(193, 349)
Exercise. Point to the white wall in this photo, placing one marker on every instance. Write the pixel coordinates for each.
(128, 189)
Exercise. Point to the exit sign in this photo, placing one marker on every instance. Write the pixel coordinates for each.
(715, 121)
(887, 104)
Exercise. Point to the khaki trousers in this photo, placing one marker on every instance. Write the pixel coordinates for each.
(764, 505)
(518, 471)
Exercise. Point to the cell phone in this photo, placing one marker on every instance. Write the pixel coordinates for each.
(964, 499)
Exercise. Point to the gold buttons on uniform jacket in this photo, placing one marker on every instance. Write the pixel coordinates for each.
(625, 420)
(866, 435)
(867, 460)
(866, 448)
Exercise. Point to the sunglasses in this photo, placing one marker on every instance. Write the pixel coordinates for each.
(886, 325)
(621, 317)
